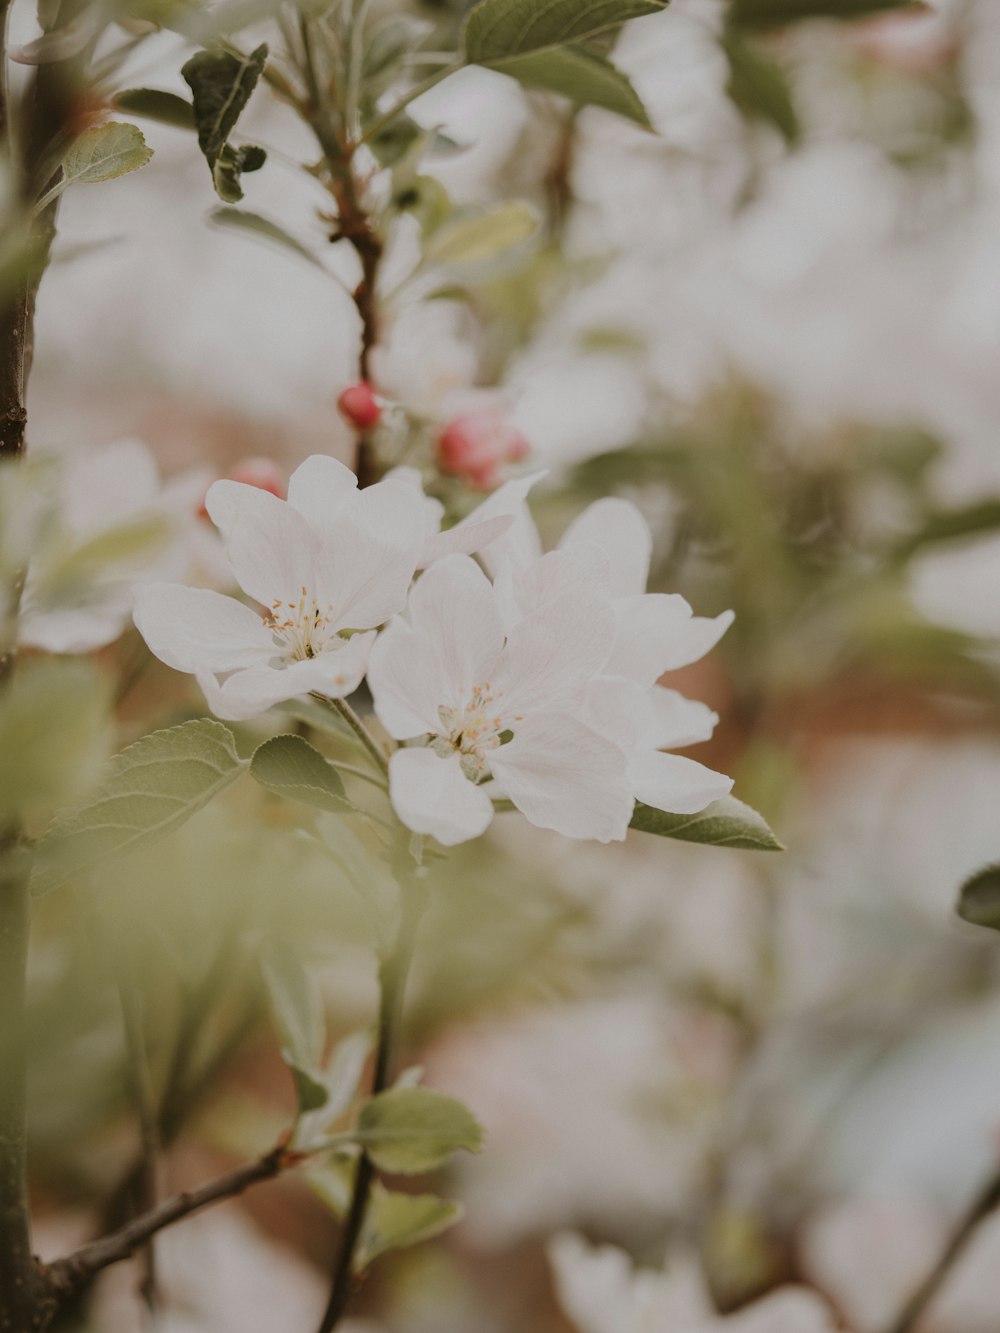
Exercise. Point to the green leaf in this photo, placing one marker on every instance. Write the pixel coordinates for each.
(221, 85)
(759, 88)
(776, 13)
(979, 898)
(725, 823)
(478, 239)
(157, 104)
(150, 789)
(253, 224)
(394, 1221)
(582, 75)
(410, 1130)
(339, 1081)
(981, 518)
(289, 766)
(53, 718)
(102, 153)
(298, 1016)
(498, 30)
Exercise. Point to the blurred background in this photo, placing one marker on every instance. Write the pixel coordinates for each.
(774, 324)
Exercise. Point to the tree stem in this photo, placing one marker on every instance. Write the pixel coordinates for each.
(392, 981)
(984, 1204)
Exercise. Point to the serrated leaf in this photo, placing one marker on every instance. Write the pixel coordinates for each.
(497, 30)
(253, 224)
(53, 719)
(221, 84)
(979, 898)
(407, 1131)
(157, 104)
(582, 75)
(759, 88)
(289, 766)
(776, 13)
(150, 789)
(394, 1221)
(466, 241)
(103, 153)
(725, 823)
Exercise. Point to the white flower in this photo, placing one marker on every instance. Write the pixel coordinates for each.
(602, 1293)
(500, 705)
(607, 550)
(108, 527)
(326, 563)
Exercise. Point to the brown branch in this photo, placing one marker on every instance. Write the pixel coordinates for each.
(985, 1203)
(68, 1277)
(392, 980)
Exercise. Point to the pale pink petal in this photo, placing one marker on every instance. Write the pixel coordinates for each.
(369, 559)
(432, 795)
(677, 722)
(657, 632)
(248, 693)
(453, 606)
(554, 652)
(270, 546)
(193, 629)
(619, 529)
(404, 679)
(562, 775)
(318, 488)
(675, 783)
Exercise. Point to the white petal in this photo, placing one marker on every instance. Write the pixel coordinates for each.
(521, 543)
(77, 629)
(368, 561)
(621, 710)
(464, 539)
(453, 606)
(554, 652)
(562, 775)
(584, 568)
(432, 795)
(677, 722)
(405, 682)
(193, 629)
(675, 783)
(658, 633)
(249, 693)
(108, 487)
(270, 546)
(620, 530)
(318, 488)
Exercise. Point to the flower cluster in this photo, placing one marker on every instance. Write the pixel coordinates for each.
(527, 677)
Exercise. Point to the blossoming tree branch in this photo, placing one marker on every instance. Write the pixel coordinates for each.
(421, 668)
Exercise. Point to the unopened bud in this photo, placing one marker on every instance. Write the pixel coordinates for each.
(359, 405)
(476, 445)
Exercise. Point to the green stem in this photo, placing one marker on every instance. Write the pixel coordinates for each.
(418, 90)
(359, 729)
(393, 973)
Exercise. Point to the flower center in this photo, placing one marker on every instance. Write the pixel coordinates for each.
(301, 629)
(472, 731)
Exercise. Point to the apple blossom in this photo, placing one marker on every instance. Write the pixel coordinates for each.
(329, 561)
(478, 441)
(489, 704)
(602, 1293)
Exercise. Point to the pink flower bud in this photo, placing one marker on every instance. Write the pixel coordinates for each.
(359, 405)
(475, 446)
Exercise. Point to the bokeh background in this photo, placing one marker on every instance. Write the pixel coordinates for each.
(774, 324)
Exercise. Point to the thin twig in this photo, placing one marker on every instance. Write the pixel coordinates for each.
(985, 1203)
(69, 1276)
(392, 981)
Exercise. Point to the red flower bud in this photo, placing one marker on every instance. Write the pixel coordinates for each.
(476, 445)
(359, 405)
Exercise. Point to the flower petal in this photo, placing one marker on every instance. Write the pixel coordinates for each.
(194, 629)
(369, 559)
(77, 629)
(562, 775)
(585, 568)
(454, 607)
(520, 544)
(318, 488)
(657, 632)
(249, 693)
(677, 722)
(674, 783)
(405, 681)
(464, 539)
(432, 795)
(270, 546)
(620, 530)
(108, 487)
(552, 653)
